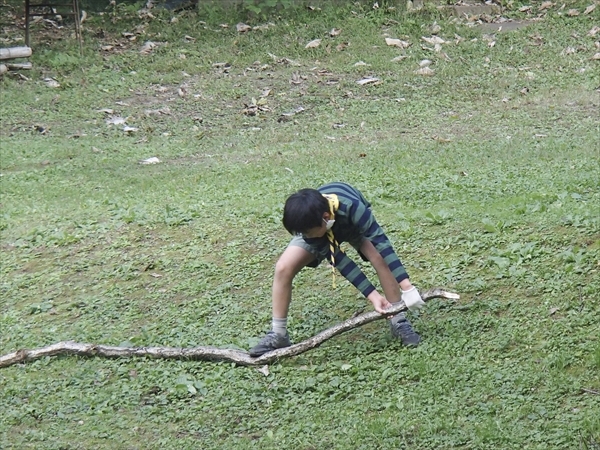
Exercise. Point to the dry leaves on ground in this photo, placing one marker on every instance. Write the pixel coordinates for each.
(147, 47)
(397, 43)
(425, 71)
(313, 44)
(368, 80)
(242, 27)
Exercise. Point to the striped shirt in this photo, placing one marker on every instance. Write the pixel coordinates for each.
(354, 221)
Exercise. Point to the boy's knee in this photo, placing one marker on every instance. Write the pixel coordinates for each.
(284, 268)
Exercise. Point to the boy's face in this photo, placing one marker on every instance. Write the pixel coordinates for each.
(317, 232)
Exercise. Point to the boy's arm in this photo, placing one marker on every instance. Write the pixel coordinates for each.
(354, 275)
(362, 217)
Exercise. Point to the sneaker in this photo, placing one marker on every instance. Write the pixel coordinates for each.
(403, 330)
(270, 342)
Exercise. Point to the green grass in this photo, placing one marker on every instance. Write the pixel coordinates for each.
(485, 190)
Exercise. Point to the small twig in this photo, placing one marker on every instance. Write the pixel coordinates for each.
(590, 391)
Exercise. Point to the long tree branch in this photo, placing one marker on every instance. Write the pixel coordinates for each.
(210, 353)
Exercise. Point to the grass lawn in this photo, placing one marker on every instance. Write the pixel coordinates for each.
(485, 175)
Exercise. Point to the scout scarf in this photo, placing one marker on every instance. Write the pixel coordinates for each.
(334, 204)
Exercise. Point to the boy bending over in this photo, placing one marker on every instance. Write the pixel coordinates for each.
(320, 219)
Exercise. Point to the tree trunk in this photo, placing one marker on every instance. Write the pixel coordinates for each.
(3, 69)
(210, 353)
(15, 52)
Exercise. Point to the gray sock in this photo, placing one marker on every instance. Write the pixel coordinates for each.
(280, 326)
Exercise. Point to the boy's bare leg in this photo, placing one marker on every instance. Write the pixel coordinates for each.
(291, 261)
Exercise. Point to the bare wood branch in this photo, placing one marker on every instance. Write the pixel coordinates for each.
(210, 353)
(19, 66)
(15, 52)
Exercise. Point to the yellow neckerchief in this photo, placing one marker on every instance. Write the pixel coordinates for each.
(334, 204)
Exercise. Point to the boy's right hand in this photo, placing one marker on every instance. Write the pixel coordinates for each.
(379, 302)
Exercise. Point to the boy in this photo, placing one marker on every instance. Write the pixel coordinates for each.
(319, 219)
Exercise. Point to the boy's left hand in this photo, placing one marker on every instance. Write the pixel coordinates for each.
(412, 299)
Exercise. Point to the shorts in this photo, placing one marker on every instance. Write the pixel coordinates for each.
(298, 241)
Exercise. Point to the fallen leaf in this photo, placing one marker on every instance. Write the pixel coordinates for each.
(433, 40)
(341, 46)
(368, 80)
(313, 44)
(264, 370)
(116, 120)
(524, 91)
(128, 129)
(121, 103)
(399, 58)
(589, 9)
(296, 78)
(425, 63)
(572, 13)
(525, 8)
(596, 56)
(554, 310)
(107, 111)
(242, 27)
(224, 25)
(107, 48)
(189, 39)
(156, 275)
(569, 51)
(546, 5)
(153, 160)
(265, 93)
(147, 47)
(397, 43)
(96, 150)
(435, 28)
(51, 83)
(360, 63)
(335, 32)
(594, 31)
(425, 71)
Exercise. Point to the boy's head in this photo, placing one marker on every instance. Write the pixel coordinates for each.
(305, 210)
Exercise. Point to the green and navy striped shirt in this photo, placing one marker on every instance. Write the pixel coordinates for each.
(354, 221)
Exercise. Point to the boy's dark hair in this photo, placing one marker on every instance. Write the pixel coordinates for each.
(304, 210)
